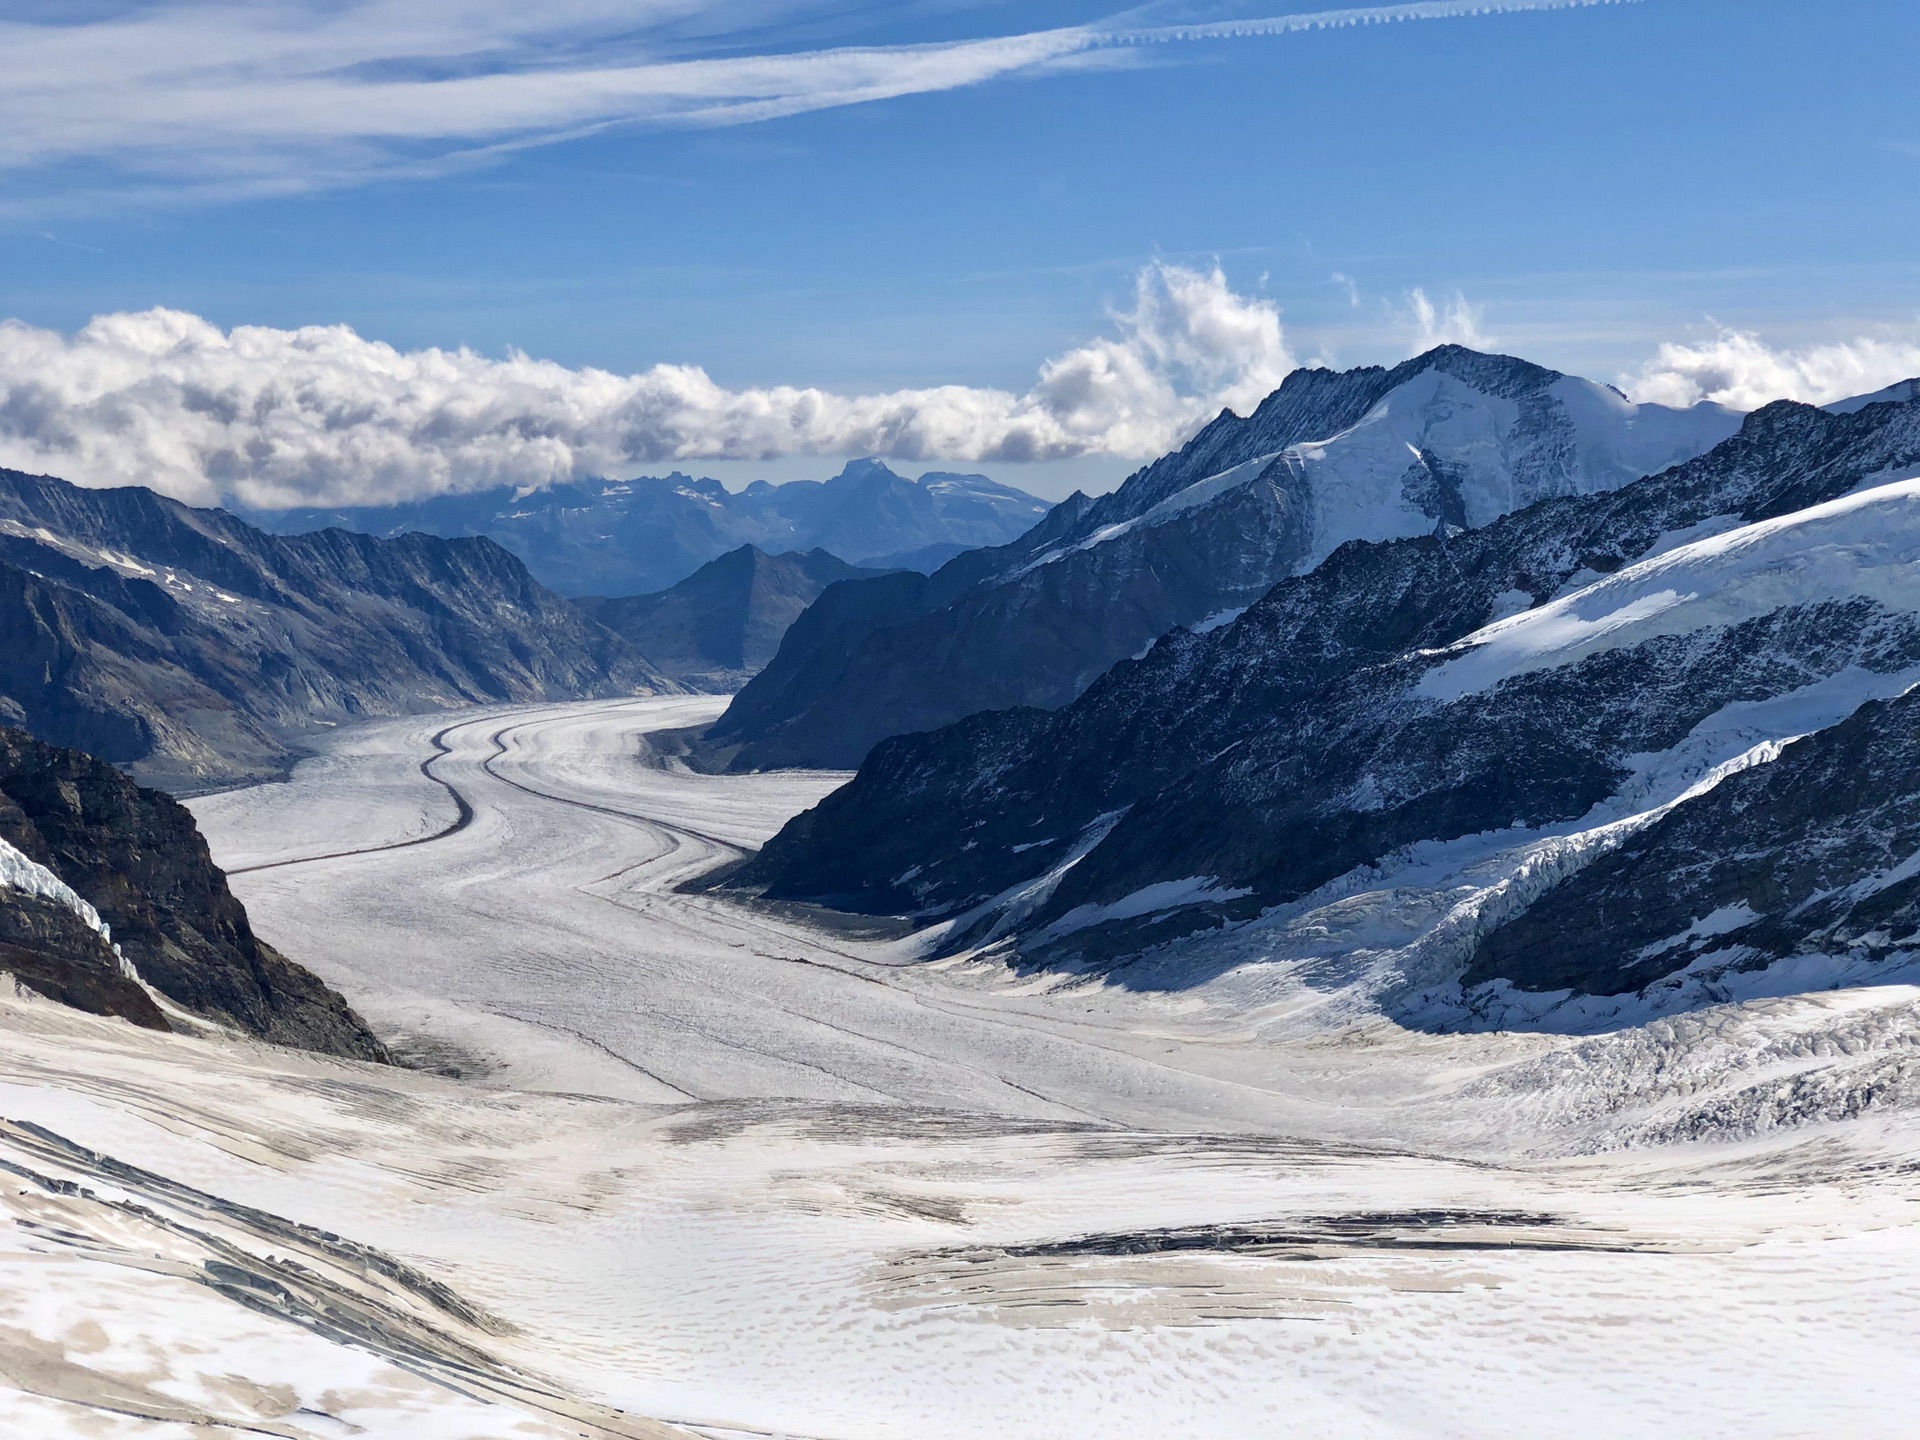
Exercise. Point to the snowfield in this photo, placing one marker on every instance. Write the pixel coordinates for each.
(696, 1169)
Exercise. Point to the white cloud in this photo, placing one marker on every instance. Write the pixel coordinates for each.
(1739, 369)
(322, 415)
(291, 94)
(1456, 322)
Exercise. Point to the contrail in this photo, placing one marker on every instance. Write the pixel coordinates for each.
(1340, 19)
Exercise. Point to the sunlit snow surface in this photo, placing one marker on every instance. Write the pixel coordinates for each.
(713, 1169)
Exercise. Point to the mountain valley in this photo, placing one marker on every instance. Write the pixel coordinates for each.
(1451, 950)
(198, 651)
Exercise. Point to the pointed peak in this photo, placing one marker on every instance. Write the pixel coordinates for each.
(1506, 375)
(868, 469)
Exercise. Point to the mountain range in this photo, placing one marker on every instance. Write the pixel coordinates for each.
(626, 537)
(196, 650)
(721, 624)
(1448, 441)
(1611, 750)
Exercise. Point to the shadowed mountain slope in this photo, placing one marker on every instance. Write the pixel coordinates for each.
(195, 649)
(723, 622)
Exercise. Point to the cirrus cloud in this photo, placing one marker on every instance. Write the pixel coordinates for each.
(322, 415)
(285, 95)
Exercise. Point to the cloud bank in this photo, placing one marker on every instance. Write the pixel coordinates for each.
(321, 415)
(324, 416)
(280, 95)
(1739, 369)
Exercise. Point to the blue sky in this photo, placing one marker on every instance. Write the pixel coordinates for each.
(1579, 185)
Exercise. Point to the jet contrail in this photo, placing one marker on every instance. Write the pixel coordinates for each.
(1340, 19)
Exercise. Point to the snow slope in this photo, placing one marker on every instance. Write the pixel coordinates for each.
(849, 1273)
(863, 1197)
(1438, 449)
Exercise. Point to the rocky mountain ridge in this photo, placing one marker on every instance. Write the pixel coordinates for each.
(1197, 807)
(1449, 440)
(195, 649)
(1824, 865)
(644, 535)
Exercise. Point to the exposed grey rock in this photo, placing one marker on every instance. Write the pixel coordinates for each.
(49, 950)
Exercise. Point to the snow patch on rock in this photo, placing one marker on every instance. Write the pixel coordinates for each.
(17, 872)
(1866, 544)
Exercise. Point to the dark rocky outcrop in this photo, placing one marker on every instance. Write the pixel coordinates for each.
(1812, 855)
(50, 950)
(135, 855)
(724, 622)
(196, 650)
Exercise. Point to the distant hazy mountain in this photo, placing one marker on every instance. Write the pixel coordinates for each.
(1449, 441)
(723, 622)
(104, 885)
(625, 537)
(194, 649)
(1608, 753)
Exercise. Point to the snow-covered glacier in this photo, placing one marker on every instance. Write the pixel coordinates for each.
(712, 1170)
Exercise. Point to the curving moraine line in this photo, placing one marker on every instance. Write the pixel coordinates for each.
(465, 812)
(461, 820)
(672, 828)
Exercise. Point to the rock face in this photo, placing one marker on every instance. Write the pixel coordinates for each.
(194, 649)
(724, 622)
(1451, 440)
(1813, 854)
(135, 856)
(1658, 638)
(623, 537)
(54, 952)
